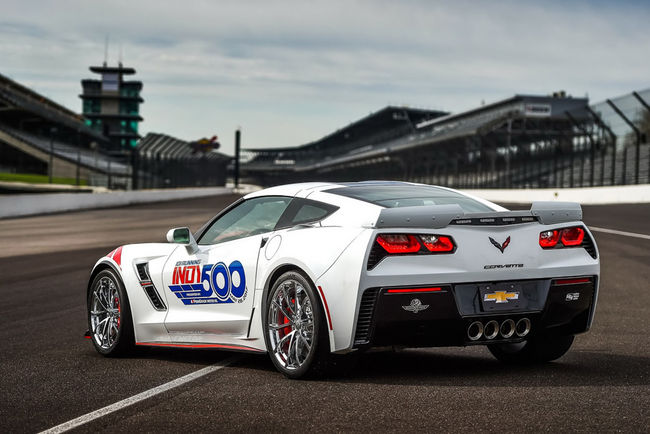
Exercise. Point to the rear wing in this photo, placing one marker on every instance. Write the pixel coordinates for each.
(440, 216)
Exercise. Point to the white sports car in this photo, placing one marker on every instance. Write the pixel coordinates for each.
(305, 271)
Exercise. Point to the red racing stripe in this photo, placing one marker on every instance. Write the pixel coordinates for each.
(223, 346)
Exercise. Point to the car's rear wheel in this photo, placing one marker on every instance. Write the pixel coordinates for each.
(535, 350)
(109, 316)
(295, 327)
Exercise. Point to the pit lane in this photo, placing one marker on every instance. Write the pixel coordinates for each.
(51, 375)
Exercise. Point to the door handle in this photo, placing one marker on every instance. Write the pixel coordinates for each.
(263, 243)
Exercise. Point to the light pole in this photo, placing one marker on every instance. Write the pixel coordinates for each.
(237, 152)
(50, 166)
(78, 156)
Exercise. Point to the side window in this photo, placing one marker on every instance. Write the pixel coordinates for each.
(302, 211)
(251, 217)
(309, 212)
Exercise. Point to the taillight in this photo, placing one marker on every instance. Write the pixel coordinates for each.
(437, 243)
(573, 236)
(421, 243)
(399, 243)
(567, 237)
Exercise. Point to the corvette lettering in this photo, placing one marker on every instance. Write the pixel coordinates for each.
(489, 267)
(210, 283)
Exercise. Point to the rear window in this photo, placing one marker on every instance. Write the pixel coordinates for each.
(394, 196)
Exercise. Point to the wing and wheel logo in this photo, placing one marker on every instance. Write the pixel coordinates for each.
(502, 246)
(415, 306)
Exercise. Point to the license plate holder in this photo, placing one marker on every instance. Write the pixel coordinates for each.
(502, 296)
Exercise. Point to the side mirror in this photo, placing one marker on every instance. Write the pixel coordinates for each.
(183, 236)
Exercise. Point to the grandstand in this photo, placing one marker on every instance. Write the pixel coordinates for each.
(163, 161)
(273, 165)
(39, 136)
(523, 141)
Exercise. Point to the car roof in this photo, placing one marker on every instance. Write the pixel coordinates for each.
(295, 189)
(305, 189)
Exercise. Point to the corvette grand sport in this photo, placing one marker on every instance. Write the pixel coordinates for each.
(305, 272)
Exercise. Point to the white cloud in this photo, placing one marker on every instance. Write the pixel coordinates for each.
(290, 72)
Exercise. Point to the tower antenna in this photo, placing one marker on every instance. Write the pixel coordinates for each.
(120, 58)
(106, 50)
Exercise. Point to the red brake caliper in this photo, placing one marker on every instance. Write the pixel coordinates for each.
(119, 309)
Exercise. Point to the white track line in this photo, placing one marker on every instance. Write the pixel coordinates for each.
(615, 232)
(66, 426)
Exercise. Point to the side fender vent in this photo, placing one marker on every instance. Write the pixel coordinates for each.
(148, 286)
(154, 298)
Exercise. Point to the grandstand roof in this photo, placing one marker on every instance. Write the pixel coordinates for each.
(168, 147)
(18, 98)
(381, 121)
(558, 105)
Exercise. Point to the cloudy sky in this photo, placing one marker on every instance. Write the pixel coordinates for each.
(289, 72)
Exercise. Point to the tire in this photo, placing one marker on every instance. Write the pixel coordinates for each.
(535, 350)
(295, 329)
(109, 315)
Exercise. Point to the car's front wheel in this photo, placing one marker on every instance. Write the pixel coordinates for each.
(535, 350)
(295, 327)
(109, 316)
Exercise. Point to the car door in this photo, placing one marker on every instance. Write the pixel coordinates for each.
(211, 291)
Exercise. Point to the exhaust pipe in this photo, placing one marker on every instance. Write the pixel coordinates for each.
(491, 329)
(523, 327)
(507, 328)
(475, 331)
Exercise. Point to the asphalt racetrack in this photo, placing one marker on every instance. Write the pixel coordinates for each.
(51, 375)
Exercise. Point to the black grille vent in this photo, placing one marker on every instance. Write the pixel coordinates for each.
(377, 253)
(364, 322)
(589, 245)
(154, 297)
(143, 273)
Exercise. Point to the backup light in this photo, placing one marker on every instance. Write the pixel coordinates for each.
(548, 239)
(437, 243)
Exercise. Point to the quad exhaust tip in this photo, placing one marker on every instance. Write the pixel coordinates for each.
(523, 327)
(475, 331)
(491, 329)
(507, 329)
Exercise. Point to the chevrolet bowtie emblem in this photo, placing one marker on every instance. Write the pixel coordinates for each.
(501, 296)
(501, 247)
(416, 306)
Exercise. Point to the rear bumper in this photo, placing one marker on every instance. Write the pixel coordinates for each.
(440, 315)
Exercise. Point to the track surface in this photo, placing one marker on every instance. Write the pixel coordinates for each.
(49, 374)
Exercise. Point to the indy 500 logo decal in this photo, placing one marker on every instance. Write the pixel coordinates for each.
(210, 283)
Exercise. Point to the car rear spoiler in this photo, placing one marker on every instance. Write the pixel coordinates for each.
(440, 216)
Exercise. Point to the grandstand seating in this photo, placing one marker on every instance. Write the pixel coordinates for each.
(96, 161)
(523, 141)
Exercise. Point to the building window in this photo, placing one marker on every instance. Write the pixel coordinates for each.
(92, 106)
